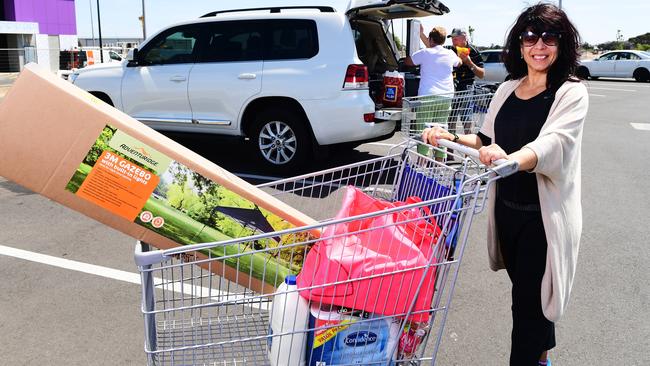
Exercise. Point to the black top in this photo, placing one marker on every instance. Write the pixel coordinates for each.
(517, 123)
(464, 75)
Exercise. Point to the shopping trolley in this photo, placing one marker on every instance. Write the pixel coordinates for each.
(460, 112)
(194, 316)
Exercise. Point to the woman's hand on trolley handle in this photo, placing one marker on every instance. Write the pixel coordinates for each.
(491, 153)
(525, 157)
(431, 135)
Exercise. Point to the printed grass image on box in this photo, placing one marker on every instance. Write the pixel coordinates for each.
(142, 185)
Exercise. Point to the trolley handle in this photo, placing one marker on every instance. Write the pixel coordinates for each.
(145, 257)
(503, 167)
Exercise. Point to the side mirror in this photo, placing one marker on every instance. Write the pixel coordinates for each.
(132, 58)
(132, 55)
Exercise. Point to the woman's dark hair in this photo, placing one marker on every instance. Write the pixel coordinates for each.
(541, 18)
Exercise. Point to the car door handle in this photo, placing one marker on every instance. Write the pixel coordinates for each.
(247, 76)
(178, 78)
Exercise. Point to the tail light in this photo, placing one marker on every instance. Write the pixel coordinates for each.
(356, 77)
(369, 117)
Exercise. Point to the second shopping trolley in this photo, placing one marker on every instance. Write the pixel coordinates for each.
(461, 112)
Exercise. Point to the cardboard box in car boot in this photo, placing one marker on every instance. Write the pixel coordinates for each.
(69, 146)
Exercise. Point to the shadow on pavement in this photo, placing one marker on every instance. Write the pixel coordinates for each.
(238, 156)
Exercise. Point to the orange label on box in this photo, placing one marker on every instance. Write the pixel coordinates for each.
(118, 185)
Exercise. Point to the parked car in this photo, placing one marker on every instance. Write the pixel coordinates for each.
(619, 64)
(495, 70)
(290, 79)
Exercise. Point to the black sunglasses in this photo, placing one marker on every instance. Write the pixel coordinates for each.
(529, 38)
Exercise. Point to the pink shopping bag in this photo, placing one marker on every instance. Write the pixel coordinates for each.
(373, 264)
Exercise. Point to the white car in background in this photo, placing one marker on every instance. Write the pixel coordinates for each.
(495, 70)
(618, 64)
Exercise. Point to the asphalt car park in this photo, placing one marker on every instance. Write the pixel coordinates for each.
(71, 293)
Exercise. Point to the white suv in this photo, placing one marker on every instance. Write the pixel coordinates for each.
(290, 79)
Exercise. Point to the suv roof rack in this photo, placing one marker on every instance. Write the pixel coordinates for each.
(276, 9)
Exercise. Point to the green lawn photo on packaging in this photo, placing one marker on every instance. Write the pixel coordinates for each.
(183, 229)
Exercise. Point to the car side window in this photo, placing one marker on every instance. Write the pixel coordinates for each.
(634, 56)
(291, 39)
(492, 57)
(608, 57)
(175, 46)
(232, 41)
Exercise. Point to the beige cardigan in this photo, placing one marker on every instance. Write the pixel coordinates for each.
(558, 179)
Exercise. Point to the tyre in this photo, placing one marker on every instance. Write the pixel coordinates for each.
(281, 139)
(641, 74)
(103, 97)
(582, 73)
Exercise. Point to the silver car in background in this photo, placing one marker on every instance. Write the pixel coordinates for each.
(617, 64)
(495, 70)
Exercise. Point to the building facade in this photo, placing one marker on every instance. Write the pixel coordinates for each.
(35, 31)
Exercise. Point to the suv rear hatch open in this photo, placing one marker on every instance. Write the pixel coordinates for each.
(369, 20)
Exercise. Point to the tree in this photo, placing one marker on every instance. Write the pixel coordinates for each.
(180, 173)
(398, 43)
(586, 46)
(641, 39)
(189, 199)
(641, 42)
(643, 47)
(619, 36)
(99, 146)
(471, 30)
(615, 45)
(175, 196)
(161, 188)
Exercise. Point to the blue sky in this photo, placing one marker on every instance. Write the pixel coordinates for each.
(597, 21)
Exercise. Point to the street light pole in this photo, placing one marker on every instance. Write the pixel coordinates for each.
(144, 27)
(99, 25)
(560, 4)
(92, 23)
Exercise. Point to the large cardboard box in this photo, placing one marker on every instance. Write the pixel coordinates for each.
(69, 146)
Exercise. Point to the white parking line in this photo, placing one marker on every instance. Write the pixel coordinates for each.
(597, 95)
(106, 272)
(641, 126)
(599, 88)
(632, 85)
(116, 274)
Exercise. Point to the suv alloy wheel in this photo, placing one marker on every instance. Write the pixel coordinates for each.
(281, 140)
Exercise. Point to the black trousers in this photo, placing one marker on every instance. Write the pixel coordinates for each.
(523, 245)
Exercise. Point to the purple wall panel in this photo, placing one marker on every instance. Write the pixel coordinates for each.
(10, 11)
(53, 16)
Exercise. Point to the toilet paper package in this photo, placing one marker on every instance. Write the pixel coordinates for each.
(347, 337)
